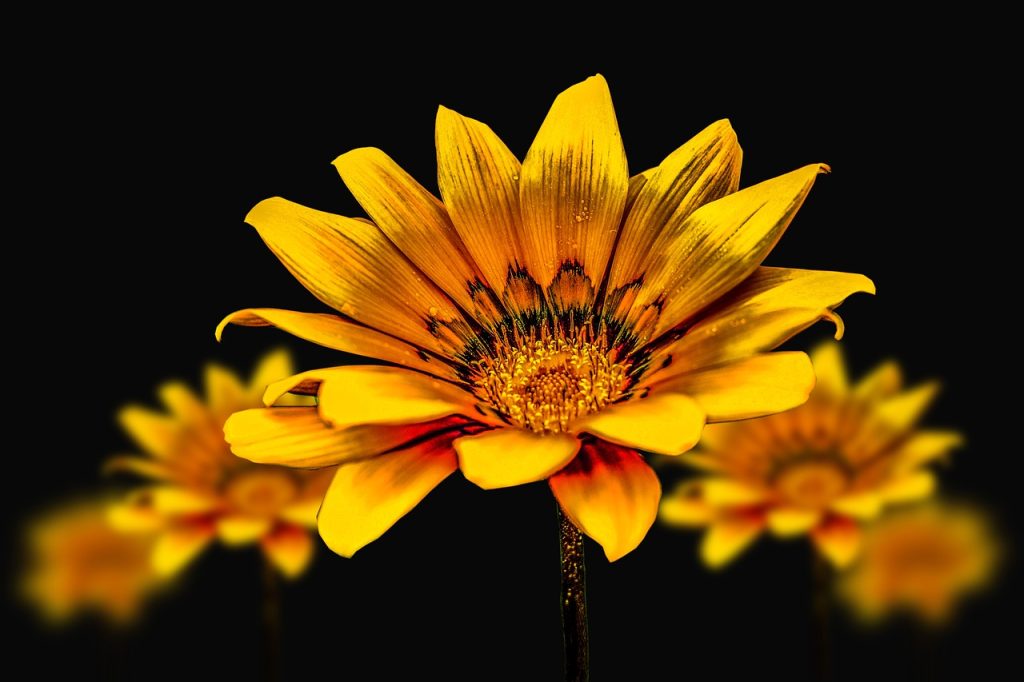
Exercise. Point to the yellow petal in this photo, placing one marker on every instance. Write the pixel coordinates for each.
(830, 369)
(366, 394)
(924, 447)
(298, 437)
(729, 536)
(882, 382)
(351, 266)
(787, 522)
(611, 494)
(839, 540)
(184, 404)
(303, 513)
(769, 307)
(147, 468)
(512, 456)
(684, 507)
(157, 434)
(757, 386)
(864, 506)
(179, 545)
(902, 411)
(412, 218)
(668, 423)
(726, 492)
(135, 518)
(704, 169)
(366, 498)
(272, 367)
(909, 488)
(696, 260)
(241, 530)
(225, 393)
(574, 184)
(290, 549)
(479, 181)
(174, 500)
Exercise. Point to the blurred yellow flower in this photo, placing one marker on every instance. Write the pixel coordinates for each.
(77, 561)
(820, 469)
(202, 491)
(545, 321)
(923, 560)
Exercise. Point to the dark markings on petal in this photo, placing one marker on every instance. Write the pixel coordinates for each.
(571, 292)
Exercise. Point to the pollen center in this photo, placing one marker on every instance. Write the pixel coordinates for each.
(543, 385)
(812, 483)
(263, 492)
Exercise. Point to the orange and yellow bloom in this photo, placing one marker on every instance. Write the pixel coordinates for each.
(821, 469)
(546, 320)
(923, 560)
(79, 562)
(201, 491)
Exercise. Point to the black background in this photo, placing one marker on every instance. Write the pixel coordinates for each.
(149, 154)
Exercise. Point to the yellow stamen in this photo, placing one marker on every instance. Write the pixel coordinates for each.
(544, 384)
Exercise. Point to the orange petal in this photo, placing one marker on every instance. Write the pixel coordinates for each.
(611, 494)
(298, 437)
(512, 456)
(412, 218)
(366, 498)
(705, 168)
(668, 423)
(574, 184)
(766, 309)
(839, 539)
(290, 549)
(334, 332)
(760, 385)
(479, 180)
(351, 266)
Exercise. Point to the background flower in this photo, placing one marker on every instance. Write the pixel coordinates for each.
(201, 491)
(821, 469)
(924, 560)
(78, 562)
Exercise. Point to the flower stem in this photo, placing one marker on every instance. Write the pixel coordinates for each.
(271, 621)
(821, 611)
(574, 600)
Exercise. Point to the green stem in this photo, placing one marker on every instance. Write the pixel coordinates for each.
(574, 600)
(271, 622)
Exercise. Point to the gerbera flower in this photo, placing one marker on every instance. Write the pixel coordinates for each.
(922, 560)
(77, 561)
(201, 491)
(820, 469)
(545, 321)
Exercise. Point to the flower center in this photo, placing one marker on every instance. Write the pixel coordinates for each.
(545, 384)
(813, 483)
(262, 492)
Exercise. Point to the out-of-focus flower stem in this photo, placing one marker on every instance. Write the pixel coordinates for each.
(573, 597)
(271, 618)
(821, 612)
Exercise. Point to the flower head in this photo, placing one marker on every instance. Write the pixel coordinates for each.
(79, 562)
(545, 321)
(821, 469)
(923, 560)
(201, 491)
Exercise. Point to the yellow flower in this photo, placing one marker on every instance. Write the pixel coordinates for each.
(79, 562)
(545, 321)
(202, 491)
(821, 468)
(922, 560)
